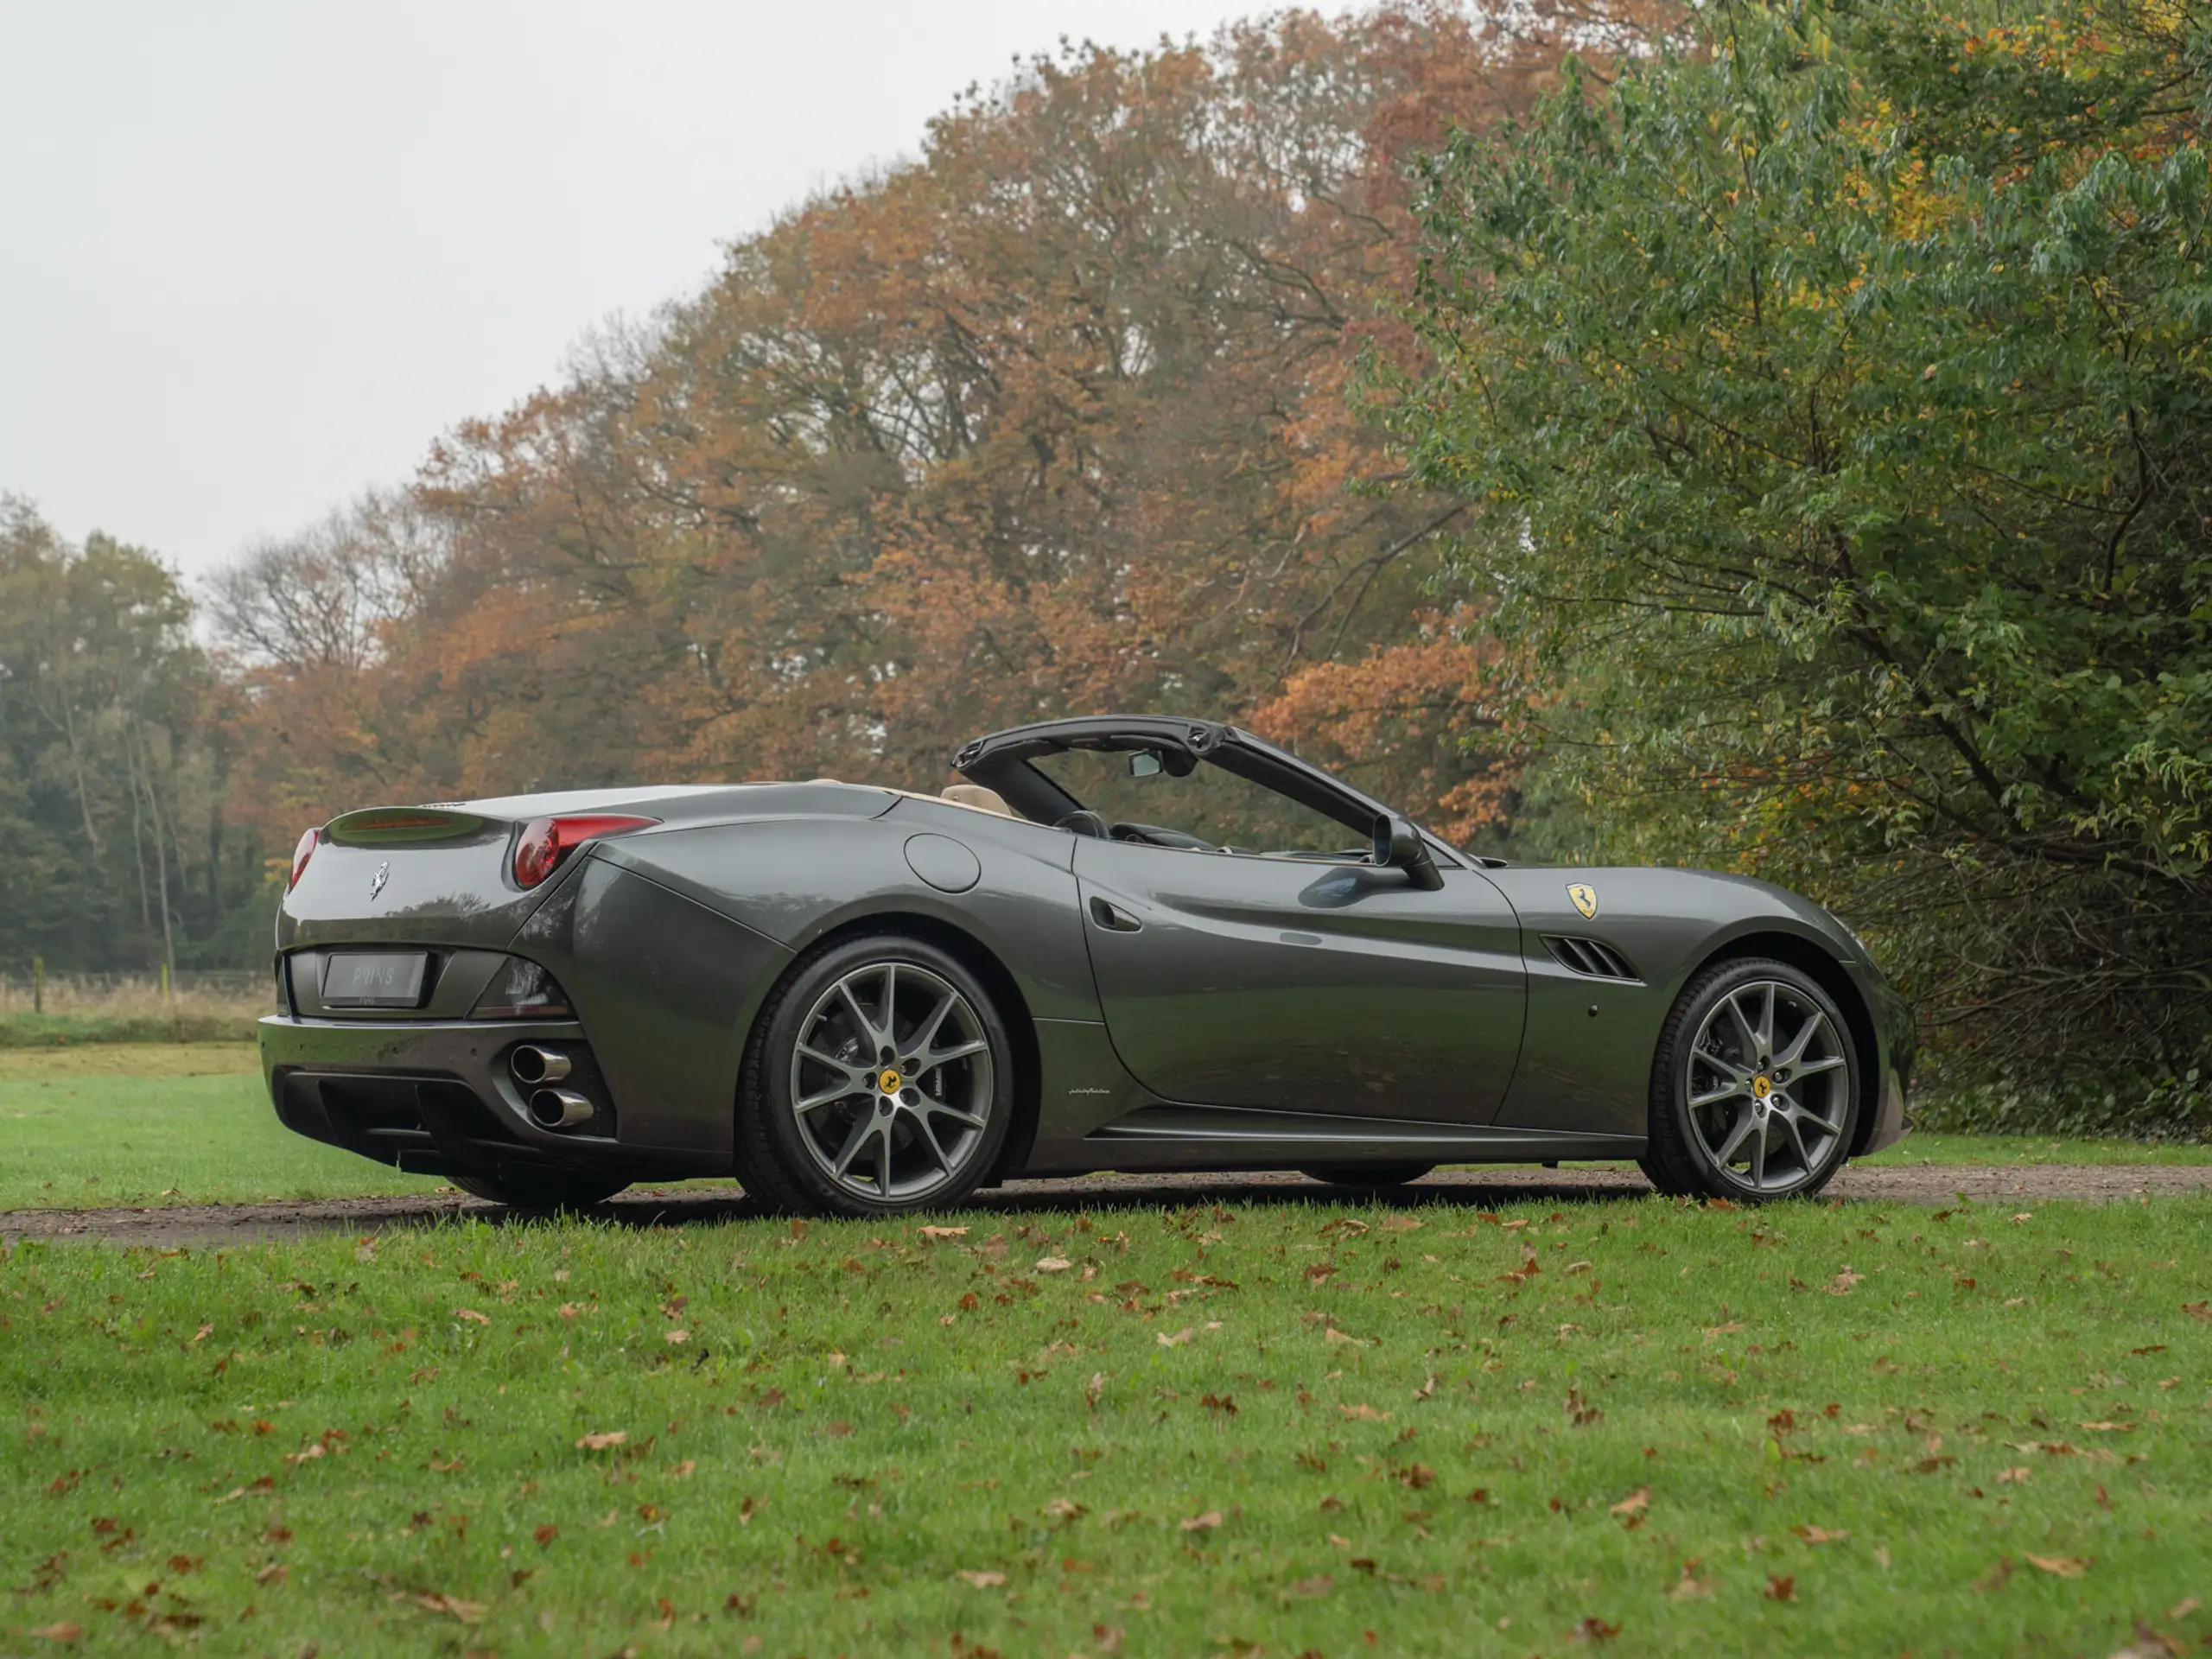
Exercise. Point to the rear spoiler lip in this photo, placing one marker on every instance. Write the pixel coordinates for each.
(397, 826)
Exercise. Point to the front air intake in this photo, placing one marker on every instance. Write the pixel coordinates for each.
(1592, 958)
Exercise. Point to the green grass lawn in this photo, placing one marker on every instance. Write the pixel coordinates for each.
(189, 1124)
(168, 1123)
(1929, 1148)
(1309, 1430)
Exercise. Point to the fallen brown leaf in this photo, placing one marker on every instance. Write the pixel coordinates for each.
(601, 1442)
(1635, 1503)
(466, 1611)
(1689, 1584)
(1781, 1588)
(2064, 1566)
(984, 1581)
(1204, 1522)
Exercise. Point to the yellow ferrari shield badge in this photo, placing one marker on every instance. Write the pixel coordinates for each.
(1585, 897)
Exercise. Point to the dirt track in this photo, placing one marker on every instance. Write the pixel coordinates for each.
(238, 1223)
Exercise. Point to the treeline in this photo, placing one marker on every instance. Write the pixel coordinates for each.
(121, 843)
(1766, 438)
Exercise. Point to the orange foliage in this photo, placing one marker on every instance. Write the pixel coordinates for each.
(1055, 419)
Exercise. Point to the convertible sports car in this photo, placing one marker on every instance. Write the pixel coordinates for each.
(863, 1001)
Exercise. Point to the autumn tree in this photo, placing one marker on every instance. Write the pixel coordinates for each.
(1053, 419)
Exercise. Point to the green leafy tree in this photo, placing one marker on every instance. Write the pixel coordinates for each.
(1837, 402)
(114, 849)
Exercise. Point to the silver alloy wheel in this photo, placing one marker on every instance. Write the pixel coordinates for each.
(1766, 1087)
(892, 1082)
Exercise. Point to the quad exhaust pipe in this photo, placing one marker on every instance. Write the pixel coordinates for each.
(559, 1109)
(538, 1071)
(533, 1065)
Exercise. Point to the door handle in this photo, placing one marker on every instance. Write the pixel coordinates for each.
(1113, 921)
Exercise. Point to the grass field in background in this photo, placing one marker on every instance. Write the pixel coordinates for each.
(43, 1031)
(1329, 1430)
(189, 1123)
(171, 1123)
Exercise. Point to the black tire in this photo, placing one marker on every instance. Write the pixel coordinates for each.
(1366, 1174)
(1730, 1077)
(548, 1192)
(925, 1148)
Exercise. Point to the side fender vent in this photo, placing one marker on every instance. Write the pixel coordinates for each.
(1590, 958)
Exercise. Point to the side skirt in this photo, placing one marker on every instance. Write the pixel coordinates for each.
(1226, 1137)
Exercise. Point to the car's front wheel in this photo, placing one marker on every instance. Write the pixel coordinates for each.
(1755, 1087)
(879, 1081)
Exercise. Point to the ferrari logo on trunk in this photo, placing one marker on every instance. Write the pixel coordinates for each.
(1585, 897)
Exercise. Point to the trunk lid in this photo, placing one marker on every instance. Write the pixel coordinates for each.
(412, 875)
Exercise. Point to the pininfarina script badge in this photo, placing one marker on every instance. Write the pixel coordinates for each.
(377, 882)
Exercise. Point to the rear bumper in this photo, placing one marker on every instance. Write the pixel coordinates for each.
(436, 1099)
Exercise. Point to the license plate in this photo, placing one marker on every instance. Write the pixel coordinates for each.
(379, 979)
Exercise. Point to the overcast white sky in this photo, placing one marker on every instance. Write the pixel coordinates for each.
(254, 257)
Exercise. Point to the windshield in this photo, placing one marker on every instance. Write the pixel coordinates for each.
(1210, 809)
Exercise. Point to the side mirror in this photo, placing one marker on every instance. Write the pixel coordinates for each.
(1399, 846)
(1145, 763)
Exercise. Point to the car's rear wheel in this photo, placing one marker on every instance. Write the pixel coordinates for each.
(879, 1081)
(1755, 1087)
(1366, 1174)
(548, 1192)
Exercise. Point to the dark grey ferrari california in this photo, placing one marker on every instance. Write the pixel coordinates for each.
(1123, 943)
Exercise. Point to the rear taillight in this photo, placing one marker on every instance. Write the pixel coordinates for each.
(301, 851)
(522, 990)
(545, 841)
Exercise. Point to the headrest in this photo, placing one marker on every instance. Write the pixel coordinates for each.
(982, 799)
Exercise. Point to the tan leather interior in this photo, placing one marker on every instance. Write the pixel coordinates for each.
(983, 800)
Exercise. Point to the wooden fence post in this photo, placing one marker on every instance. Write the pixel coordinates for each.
(38, 984)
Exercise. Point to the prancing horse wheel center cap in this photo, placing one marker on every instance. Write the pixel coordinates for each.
(1761, 1088)
(889, 1082)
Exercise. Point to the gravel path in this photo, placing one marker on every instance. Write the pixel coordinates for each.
(239, 1224)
